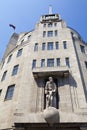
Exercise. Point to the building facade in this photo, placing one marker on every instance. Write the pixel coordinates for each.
(51, 50)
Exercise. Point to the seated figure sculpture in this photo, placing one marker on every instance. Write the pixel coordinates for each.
(50, 91)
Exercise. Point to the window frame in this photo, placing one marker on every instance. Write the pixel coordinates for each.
(15, 70)
(4, 75)
(50, 62)
(50, 46)
(9, 58)
(19, 53)
(34, 63)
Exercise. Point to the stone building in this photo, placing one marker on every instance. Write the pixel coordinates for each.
(54, 50)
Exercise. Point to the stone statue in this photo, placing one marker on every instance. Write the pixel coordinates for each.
(50, 91)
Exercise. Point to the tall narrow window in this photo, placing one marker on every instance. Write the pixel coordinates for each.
(58, 61)
(50, 62)
(19, 52)
(50, 24)
(44, 33)
(36, 47)
(29, 37)
(64, 44)
(0, 91)
(55, 24)
(34, 64)
(15, 70)
(67, 62)
(9, 58)
(10, 92)
(50, 33)
(86, 64)
(43, 46)
(50, 46)
(4, 76)
(56, 33)
(44, 25)
(82, 49)
(22, 41)
(57, 45)
(43, 63)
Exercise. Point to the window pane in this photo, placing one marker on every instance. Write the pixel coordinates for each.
(67, 62)
(19, 52)
(10, 92)
(50, 62)
(82, 49)
(34, 64)
(64, 45)
(4, 76)
(50, 33)
(36, 47)
(57, 45)
(49, 24)
(50, 46)
(43, 46)
(0, 91)
(55, 24)
(42, 62)
(28, 38)
(15, 70)
(86, 64)
(9, 58)
(44, 25)
(56, 32)
(44, 33)
(58, 61)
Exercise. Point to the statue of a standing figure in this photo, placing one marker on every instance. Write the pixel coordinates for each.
(50, 91)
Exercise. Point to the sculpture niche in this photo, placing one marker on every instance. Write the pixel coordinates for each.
(50, 91)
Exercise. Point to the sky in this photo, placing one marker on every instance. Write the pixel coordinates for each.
(24, 14)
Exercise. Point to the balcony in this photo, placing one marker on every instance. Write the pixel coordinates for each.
(51, 71)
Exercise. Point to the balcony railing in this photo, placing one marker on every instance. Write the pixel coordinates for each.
(50, 71)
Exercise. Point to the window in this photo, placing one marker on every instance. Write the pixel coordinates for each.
(67, 62)
(50, 62)
(64, 45)
(34, 64)
(15, 70)
(58, 61)
(50, 33)
(57, 45)
(86, 64)
(44, 33)
(82, 49)
(19, 52)
(10, 92)
(42, 62)
(49, 24)
(36, 47)
(56, 32)
(28, 38)
(0, 91)
(44, 25)
(43, 46)
(22, 41)
(9, 58)
(55, 24)
(4, 76)
(50, 46)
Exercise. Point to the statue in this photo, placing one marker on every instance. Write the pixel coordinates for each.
(50, 91)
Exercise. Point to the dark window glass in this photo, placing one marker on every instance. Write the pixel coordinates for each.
(44, 25)
(86, 64)
(22, 41)
(56, 32)
(28, 38)
(82, 49)
(36, 47)
(34, 64)
(44, 33)
(50, 33)
(0, 91)
(43, 46)
(4, 76)
(67, 62)
(9, 58)
(10, 92)
(55, 24)
(58, 61)
(50, 24)
(50, 62)
(15, 70)
(42, 62)
(57, 45)
(50, 46)
(19, 52)
(64, 44)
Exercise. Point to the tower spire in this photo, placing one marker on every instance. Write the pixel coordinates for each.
(50, 9)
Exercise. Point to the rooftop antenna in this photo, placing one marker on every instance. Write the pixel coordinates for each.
(50, 9)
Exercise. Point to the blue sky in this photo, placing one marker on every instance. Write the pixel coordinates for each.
(24, 14)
